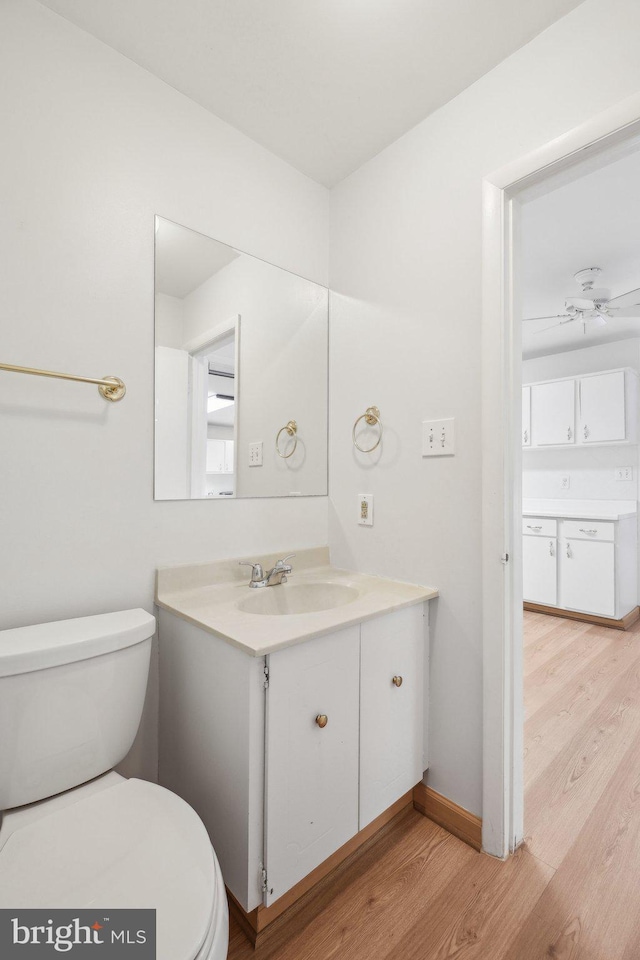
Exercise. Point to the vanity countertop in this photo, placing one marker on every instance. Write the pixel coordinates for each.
(208, 594)
(580, 509)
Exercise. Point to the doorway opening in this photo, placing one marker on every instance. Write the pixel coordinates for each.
(539, 186)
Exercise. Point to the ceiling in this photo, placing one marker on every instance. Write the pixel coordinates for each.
(323, 84)
(592, 221)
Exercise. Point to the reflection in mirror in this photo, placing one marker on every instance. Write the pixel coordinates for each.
(240, 353)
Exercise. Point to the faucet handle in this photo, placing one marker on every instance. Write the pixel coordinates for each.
(257, 573)
(281, 563)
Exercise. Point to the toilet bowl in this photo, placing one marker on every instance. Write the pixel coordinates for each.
(71, 696)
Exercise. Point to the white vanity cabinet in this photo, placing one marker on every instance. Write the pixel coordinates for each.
(392, 704)
(288, 756)
(595, 408)
(311, 756)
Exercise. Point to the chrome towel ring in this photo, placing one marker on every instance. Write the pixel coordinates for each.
(291, 429)
(372, 417)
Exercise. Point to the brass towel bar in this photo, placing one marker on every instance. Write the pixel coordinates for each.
(111, 388)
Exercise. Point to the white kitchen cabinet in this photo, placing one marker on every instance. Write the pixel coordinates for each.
(526, 416)
(229, 454)
(553, 414)
(587, 576)
(220, 455)
(278, 791)
(602, 407)
(311, 795)
(591, 568)
(597, 408)
(539, 562)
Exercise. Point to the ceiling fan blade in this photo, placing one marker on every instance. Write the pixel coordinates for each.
(624, 313)
(630, 299)
(554, 325)
(564, 317)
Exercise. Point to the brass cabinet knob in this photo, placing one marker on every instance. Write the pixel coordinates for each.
(397, 681)
(322, 719)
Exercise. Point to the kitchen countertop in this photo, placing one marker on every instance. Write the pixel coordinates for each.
(580, 509)
(207, 595)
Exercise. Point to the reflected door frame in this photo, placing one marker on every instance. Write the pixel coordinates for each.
(198, 349)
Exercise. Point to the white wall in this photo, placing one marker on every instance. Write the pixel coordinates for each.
(591, 469)
(405, 335)
(169, 318)
(92, 148)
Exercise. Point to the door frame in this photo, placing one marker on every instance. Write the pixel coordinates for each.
(503, 713)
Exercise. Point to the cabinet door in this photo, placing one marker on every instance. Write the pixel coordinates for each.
(215, 456)
(526, 416)
(602, 408)
(587, 578)
(391, 714)
(229, 446)
(539, 570)
(553, 413)
(311, 795)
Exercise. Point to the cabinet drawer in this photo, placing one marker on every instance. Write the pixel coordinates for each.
(539, 526)
(588, 530)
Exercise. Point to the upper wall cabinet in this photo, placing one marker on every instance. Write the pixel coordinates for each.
(553, 413)
(526, 416)
(602, 408)
(598, 408)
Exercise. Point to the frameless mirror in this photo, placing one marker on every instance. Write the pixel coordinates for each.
(241, 373)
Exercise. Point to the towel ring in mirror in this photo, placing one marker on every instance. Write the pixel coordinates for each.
(291, 430)
(372, 417)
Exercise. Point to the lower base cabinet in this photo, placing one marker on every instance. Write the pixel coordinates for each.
(587, 576)
(287, 757)
(540, 569)
(586, 566)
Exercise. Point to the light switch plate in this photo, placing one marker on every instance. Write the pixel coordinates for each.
(438, 438)
(365, 509)
(255, 454)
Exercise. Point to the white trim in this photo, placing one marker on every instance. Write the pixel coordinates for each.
(503, 713)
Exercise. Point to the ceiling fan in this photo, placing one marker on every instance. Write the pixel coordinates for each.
(594, 306)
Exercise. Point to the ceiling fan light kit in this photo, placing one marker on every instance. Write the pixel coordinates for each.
(594, 306)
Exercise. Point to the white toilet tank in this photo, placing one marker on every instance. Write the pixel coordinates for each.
(71, 698)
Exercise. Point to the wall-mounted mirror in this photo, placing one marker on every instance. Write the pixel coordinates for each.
(240, 363)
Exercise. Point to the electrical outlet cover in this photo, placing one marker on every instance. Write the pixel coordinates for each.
(365, 509)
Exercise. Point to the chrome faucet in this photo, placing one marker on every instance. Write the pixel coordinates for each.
(278, 574)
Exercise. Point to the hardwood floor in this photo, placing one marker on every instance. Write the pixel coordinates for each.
(572, 892)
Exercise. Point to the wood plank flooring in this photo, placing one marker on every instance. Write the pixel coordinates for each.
(572, 892)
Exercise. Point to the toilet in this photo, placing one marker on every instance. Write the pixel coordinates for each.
(75, 834)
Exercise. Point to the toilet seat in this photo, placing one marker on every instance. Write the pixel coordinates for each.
(127, 843)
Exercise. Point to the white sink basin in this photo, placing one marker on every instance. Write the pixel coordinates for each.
(286, 598)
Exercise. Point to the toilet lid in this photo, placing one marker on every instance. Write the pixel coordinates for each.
(134, 844)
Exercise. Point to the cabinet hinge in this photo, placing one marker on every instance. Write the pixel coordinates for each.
(504, 558)
(266, 675)
(265, 881)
